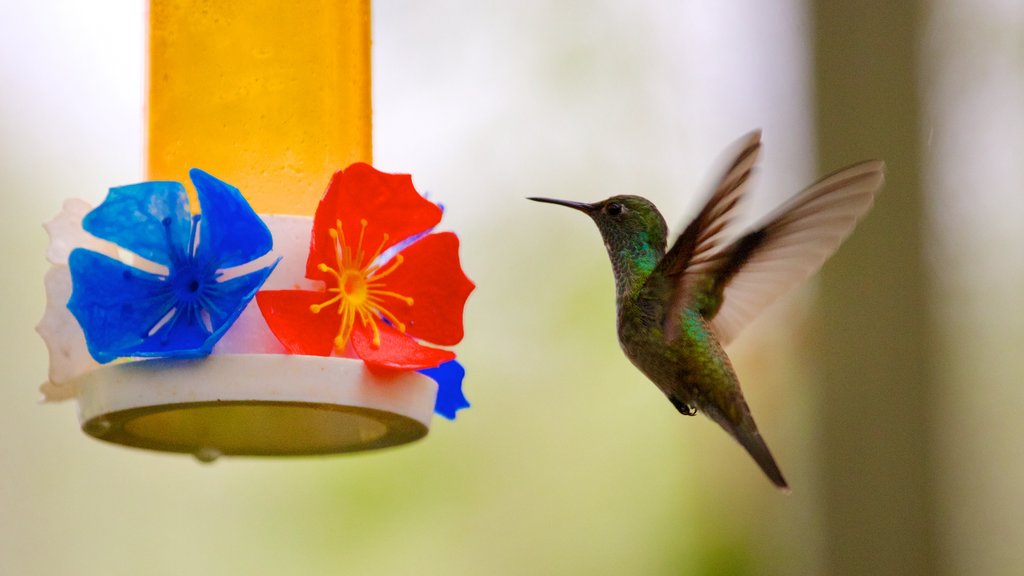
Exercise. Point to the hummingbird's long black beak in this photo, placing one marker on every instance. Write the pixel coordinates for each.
(581, 206)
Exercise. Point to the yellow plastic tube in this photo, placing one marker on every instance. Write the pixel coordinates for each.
(272, 97)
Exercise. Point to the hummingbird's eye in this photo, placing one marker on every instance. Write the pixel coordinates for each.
(613, 209)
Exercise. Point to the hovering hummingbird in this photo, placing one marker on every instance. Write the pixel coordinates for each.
(677, 309)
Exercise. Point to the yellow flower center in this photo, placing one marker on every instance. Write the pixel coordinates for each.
(359, 293)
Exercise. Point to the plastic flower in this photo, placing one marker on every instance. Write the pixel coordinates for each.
(183, 310)
(449, 388)
(386, 284)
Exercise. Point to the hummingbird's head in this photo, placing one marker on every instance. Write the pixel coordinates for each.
(627, 223)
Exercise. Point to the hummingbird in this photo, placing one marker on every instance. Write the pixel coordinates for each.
(677, 309)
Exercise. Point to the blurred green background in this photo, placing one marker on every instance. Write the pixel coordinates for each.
(888, 389)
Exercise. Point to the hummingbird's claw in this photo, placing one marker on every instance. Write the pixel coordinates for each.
(684, 408)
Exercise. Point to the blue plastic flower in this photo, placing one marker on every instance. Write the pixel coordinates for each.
(128, 312)
(449, 388)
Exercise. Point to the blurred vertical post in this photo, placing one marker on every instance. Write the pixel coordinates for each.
(878, 397)
(273, 97)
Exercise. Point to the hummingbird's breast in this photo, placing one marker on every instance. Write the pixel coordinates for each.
(642, 338)
(690, 367)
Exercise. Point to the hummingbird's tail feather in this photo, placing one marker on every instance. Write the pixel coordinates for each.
(747, 435)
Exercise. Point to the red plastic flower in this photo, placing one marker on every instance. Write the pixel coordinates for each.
(374, 305)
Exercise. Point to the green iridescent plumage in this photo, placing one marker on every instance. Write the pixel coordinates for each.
(676, 309)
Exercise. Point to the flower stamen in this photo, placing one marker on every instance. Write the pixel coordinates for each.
(391, 318)
(359, 245)
(358, 290)
(377, 274)
(316, 308)
(368, 320)
(325, 268)
(372, 266)
(395, 295)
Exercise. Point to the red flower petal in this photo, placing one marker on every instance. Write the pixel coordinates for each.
(432, 276)
(396, 351)
(388, 203)
(297, 328)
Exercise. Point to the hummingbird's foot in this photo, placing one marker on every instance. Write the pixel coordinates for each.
(684, 408)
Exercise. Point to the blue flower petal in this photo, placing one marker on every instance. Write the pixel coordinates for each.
(449, 388)
(187, 335)
(230, 233)
(184, 335)
(116, 305)
(150, 219)
(126, 312)
(228, 299)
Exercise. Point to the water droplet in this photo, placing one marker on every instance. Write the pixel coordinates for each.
(208, 454)
(97, 427)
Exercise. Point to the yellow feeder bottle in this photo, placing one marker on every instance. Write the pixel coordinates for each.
(273, 97)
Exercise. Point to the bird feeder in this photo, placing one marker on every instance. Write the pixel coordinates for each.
(292, 300)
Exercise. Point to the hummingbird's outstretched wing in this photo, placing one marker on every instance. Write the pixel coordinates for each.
(789, 245)
(693, 256)
(731, 284)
